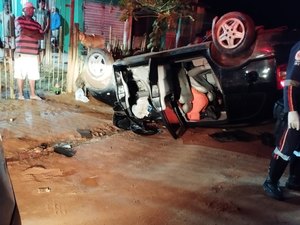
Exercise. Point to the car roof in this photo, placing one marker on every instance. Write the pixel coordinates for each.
(143, 59)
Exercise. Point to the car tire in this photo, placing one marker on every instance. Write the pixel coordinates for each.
(97, 71)
(233, 33)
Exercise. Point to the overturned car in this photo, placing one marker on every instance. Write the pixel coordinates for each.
(233, 78)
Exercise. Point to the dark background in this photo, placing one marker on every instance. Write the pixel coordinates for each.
(264, 12)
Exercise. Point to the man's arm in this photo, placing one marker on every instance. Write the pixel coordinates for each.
(33, 32)
(36, 34)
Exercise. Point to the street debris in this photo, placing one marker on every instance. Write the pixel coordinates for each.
(64, 149)
(85, 133)
(80, 96)
(44, 189)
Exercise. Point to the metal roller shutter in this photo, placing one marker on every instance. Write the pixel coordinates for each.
(103, 19)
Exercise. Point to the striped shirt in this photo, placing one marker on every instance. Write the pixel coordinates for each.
(26, 44)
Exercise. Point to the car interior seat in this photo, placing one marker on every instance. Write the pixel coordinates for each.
(201, 77)
(196, 90)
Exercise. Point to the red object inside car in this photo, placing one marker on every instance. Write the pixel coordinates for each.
(280, 75)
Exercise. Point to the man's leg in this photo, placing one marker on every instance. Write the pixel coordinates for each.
(33, 75)
(276, 169)
(32, 90)
(41, 55)
(20, 89)
(42, 50)
(288, 141)
(12, 47)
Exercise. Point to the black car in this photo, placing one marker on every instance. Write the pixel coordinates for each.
(237, 73)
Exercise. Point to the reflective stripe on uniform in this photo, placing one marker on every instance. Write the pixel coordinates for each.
(283, 156)
(291, 83)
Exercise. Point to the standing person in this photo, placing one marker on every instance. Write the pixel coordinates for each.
(54, 25)
(42, 16)
(28, 32)
(8, 29)
(288, 143)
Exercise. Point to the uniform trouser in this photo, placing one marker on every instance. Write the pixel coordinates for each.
(289, 142)
(288, 149)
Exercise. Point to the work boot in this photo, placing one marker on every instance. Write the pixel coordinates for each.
(273, 190)
(271, 184)
(293, 181)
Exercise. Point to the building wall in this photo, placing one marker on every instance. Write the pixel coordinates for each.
(65, 11)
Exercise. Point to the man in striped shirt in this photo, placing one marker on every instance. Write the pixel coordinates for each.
(28, 33)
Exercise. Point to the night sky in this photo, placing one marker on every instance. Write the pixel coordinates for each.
(263, 12)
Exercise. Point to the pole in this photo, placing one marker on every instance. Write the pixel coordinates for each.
(72, 23)
(71, 50)
(2, 30)
(4, 49)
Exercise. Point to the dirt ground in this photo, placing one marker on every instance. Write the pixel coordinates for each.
(117, 177)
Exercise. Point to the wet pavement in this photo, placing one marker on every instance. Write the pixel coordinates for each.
(59, 118)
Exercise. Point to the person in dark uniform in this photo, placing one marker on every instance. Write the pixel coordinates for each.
(288, 142)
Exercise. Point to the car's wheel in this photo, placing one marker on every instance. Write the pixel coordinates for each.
(98, 70)
(233, 33)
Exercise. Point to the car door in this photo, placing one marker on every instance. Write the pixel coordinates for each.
(175, 72)
(173, 118)
(170, 85)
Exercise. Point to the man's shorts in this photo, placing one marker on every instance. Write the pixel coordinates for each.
(26, 66)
